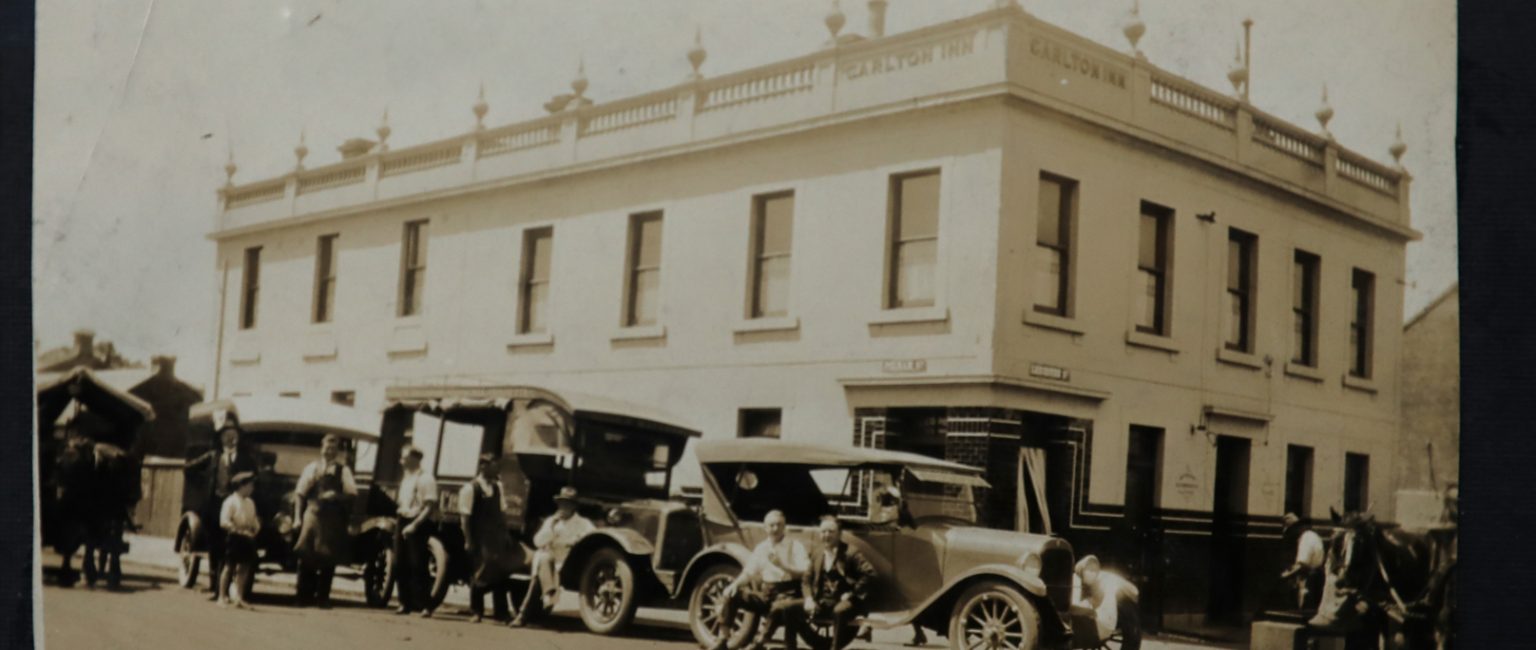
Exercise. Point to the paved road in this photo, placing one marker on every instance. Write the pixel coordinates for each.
(151, 611)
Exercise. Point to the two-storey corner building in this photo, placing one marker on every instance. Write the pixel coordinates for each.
(1157, 315)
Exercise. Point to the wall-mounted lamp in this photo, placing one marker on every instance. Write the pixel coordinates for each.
(1208, 217)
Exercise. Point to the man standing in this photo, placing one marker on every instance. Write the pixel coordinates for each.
(769, 584)
(321, 497)
(552, 543)
(1307, 570)
(416, 508)
(483, 504)
(836, 585)
(1105, 603)
(221, 465)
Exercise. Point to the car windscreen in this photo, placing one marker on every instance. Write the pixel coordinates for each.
(946, 499)
(804, 493)
(623, 462)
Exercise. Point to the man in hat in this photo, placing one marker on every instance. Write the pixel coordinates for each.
(552, 543)
(1103, 603)
(416, 507)
(238, 520)
(770, 583)
(220, 466)
(1307, 570)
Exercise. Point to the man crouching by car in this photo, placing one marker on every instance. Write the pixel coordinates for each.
(768, 585)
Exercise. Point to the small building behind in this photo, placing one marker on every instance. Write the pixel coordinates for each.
(1431, 417)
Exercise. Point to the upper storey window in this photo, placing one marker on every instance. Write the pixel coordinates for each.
(914, 240)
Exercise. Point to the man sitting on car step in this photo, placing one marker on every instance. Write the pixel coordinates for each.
(772, 584)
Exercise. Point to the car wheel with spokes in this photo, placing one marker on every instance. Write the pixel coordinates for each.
(187, 568)
(704, 606)
(608, 592)
(993, 616)
(379, 575)
(817, 634)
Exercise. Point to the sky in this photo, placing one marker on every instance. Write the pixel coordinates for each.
(140, 103)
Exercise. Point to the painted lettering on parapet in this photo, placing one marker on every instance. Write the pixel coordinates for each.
(912, 57)
(1077, 62)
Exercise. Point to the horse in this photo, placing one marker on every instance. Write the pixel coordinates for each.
(1378, 585)
(96, 486)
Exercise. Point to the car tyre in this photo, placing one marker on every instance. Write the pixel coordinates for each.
(438, 567)
(993, 615)
(187, 568)
(379, 575)
(817, 635)
(704, 605)
(608, 600)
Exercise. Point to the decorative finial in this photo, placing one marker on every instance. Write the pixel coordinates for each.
(579, 84)
(1134, 28)
(696, 55)
(230, 168)
(481, 108)
(1398, 147)
(301, 151)
(1324, 113)
(1238, 74)
(835, 20)
(384, 131)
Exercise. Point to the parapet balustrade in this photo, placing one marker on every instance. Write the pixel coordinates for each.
(833, 81)
(1190, 99)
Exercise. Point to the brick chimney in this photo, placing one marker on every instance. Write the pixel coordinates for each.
(164, 365)
(877, 18)
(85, 342)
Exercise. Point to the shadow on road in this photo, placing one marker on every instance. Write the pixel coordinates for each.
(131, 583)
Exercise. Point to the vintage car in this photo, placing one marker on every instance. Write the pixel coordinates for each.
(912, 516)
(284, 434)
(618, 456)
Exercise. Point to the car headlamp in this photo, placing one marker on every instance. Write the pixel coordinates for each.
(1030, 563)
(615, 516)
(284, 524)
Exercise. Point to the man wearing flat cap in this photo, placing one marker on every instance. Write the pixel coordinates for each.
(552, 543)
(1307, 571)
(1104, 603)
(219, 465)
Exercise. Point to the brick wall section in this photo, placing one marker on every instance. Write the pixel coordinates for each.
(1431, 380)
(984, 437)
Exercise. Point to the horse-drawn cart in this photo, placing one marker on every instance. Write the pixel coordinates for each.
(88, 470)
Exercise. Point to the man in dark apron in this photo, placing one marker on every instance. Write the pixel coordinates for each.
(486, 538)
(325, 489)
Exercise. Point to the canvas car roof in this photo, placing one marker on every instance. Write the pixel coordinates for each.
(270, 413)
(768, 450)
(434, 398)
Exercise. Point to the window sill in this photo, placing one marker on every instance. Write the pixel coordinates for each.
(767, 324)
(531, 339)
(640, 333)
(1362, 384)
(408, 338)
(245, 349)
(905, 315)
(1153, 341)
(1053, 322)
(1237, 358)
(1303, 372)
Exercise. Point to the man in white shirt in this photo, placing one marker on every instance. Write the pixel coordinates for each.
(1307, 570)
(552, 543)
(1103, 603)
(416, 507)
(769, 583)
